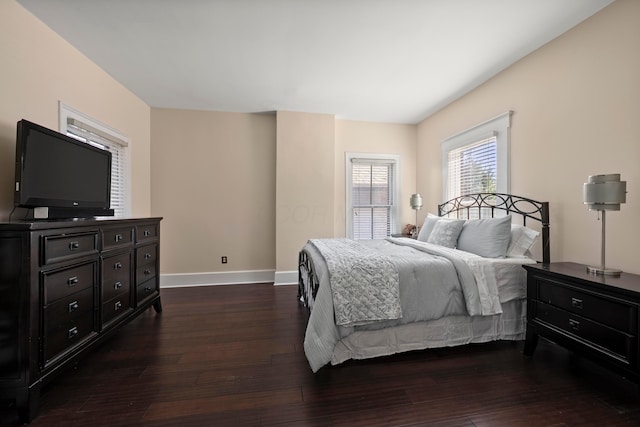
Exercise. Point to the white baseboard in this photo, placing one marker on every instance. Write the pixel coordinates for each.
(228, 278)
(286, 278)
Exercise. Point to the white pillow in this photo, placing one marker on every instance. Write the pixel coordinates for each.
(522, 239)
(488, 237)
(428, 224)
(446, 232)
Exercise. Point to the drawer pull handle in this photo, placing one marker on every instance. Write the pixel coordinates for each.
(146, 233)
(147, 272)
(73, 332)
(73, 306)
(147, 289)
(118, 237)
(117, 285)
(576, 303)
(147, 256)
(73, 246)
(72, 281)
(117, 266)
(117, 306)
(574, 324)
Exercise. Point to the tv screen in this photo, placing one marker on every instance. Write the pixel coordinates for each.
(56, 171)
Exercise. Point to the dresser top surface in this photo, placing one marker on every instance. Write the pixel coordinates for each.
(46, 224)
(572, 270)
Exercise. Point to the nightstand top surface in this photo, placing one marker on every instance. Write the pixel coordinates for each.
(627, 281)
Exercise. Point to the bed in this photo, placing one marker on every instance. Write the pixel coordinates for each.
(460, 281)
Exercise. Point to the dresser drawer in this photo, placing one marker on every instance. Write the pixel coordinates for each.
(67, 309)
(606, 340)
(65, 282)
(144, 273)
(116, 275)
(604, 309)
(66, 246)
(116, 307)
(147, 255)
(146, 260)
(147, 232)
(64, 337)
(146, 290)
(117, 237)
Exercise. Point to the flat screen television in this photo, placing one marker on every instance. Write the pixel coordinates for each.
(60, 177)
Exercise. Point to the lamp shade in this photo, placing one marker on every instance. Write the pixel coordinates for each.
(604, 192)
(416, 201)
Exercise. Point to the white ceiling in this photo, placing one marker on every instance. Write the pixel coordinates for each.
(375, 60)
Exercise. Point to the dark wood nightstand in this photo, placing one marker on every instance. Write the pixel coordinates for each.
(595, 316)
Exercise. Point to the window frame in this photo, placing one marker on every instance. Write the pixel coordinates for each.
(395, 206)
(108, 136)
(498, 127)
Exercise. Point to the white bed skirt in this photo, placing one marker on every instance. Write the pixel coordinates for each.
(446, 332)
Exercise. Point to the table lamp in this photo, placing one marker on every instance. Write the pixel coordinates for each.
(604, 193)
(416, 203)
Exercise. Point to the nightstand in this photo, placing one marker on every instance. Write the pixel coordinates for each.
(595, 316)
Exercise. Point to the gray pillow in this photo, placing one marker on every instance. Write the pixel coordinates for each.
(446, 232)
(486, 237)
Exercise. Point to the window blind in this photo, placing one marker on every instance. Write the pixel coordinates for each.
(372, 198)
(472, 168)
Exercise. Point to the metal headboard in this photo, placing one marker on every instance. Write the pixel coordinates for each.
(483, 205)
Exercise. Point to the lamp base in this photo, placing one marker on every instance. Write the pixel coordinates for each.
(599, 271)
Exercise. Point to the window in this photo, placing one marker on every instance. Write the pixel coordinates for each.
(86, 129)
(477, 160)
(372, 188)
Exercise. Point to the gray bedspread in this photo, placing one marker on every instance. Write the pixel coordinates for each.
(433, 282)
(364, 282)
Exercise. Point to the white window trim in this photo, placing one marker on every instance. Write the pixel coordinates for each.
(395, 211)
(67, 114)
(500, 127)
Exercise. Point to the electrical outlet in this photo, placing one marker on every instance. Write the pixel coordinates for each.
(224, 259)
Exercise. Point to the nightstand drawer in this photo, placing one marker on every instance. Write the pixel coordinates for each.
(603, 309)
(604, 339)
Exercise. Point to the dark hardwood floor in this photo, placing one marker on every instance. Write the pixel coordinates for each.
(232, 356)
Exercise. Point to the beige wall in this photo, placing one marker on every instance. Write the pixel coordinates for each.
(305, 173)
(39, 69)
(213, 178)
(256, 187)
(576, 104)
(378, 138)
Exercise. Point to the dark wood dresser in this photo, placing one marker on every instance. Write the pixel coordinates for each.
(65, 286)
(595, 316)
